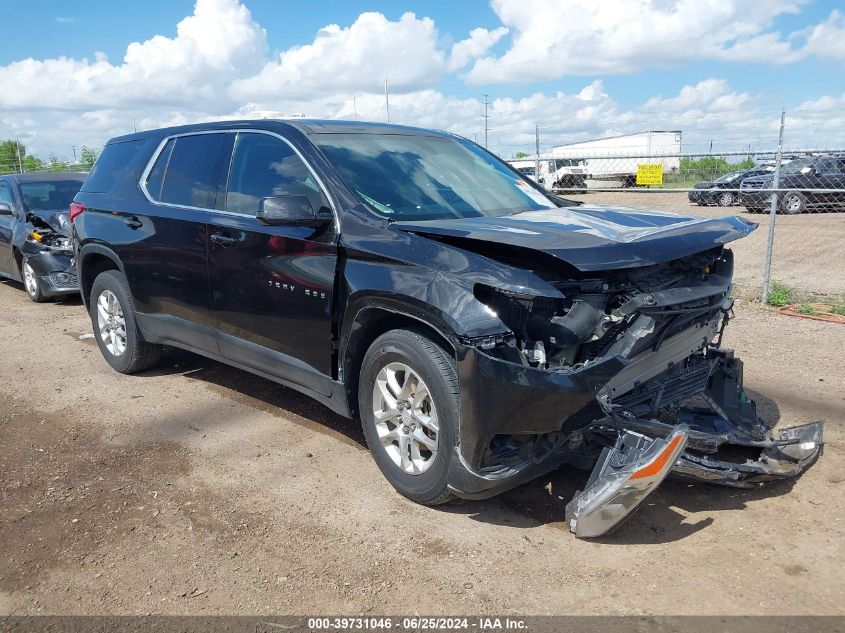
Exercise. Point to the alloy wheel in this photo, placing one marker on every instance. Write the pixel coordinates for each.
(405, 418)
(30, 280)
(111, 322)
(726, 199)
(793, 204)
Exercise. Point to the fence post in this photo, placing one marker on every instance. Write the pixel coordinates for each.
(537, 149)
(767, 270)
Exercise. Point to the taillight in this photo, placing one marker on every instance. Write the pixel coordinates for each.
(75, 209)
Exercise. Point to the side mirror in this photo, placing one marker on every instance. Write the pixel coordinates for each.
(5, 208)
(281, 210)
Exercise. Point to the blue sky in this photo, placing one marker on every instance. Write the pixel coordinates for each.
(757, 55)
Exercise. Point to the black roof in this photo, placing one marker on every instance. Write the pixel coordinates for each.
(306, 126)
(47, 176)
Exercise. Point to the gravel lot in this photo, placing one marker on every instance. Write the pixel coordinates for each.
(199, 489)
(808, 251)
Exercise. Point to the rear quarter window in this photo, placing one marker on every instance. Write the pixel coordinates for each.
(116, 163)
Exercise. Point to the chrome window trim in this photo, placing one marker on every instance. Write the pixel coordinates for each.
(142, 182)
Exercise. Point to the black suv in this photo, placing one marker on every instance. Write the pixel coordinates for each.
(35, 245)
(724, 190)
(805, 180)
(484, 330)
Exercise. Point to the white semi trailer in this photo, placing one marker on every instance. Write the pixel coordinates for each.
(613, 161)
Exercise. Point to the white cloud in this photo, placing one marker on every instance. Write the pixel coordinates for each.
(827, 39)
(553, 39)
(212, 46)
(64, 19)
(216, 66)
(358, 58)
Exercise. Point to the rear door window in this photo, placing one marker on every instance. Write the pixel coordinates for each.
(192, 171)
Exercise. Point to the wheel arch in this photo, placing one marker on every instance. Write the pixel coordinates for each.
(93, 260)
(372, 317)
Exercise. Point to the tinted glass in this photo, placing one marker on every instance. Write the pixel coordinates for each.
(191, 177)
(416, 177)
(263, 167)
(797, 166)
(116, 162)
(155, 179)
(6, 194)
(49, 195)
(730, 177)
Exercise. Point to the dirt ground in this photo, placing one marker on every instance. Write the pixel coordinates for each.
(808, 252)
(200, 489)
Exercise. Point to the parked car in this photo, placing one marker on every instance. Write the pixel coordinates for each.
(35, 243)
(484, 330)
(724, 190)
(800, 178)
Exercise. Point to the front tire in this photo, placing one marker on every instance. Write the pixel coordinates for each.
(115, 326)
(793, 203)
(409, 407)
(725, 200)
(31, 284)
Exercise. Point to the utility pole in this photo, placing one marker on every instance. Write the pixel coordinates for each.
(387, 100)
(537, 148)
(355, 107)
(134, 127)
(73, 149)
(20, 162)
(767, 271)
(486, 116)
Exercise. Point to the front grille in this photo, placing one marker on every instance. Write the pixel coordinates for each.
(63, 280)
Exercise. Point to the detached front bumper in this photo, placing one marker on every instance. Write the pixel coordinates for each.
(56, 272)
(568, 417)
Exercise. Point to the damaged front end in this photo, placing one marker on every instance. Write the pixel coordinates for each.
(48, 251)
(616, 372)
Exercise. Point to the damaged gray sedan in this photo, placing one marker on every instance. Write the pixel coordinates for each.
(35, 244)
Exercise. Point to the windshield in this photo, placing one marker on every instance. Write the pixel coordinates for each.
(417, 177)
(730, 177)
(49, 195)
(795, 166)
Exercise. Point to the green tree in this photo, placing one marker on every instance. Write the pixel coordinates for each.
(711, 167)
(54, 163)
(520, 155)
(12, 156)
(88, 158)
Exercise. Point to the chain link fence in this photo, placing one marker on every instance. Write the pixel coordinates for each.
(796, 195)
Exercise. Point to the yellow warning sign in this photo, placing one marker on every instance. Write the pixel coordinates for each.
(650, 174)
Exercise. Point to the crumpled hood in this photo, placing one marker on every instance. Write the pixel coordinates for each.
(56, 219)
(594, 237)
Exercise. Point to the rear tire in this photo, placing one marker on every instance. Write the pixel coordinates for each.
(115, 326)
(725, 199)
(407, 396)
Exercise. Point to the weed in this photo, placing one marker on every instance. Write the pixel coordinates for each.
(807, 308)
(780, 294)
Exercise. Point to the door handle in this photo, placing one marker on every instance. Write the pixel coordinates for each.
(223, 240)
(133, 222)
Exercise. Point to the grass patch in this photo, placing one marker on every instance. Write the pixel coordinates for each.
(838, 308)
(780, 294)
(807, 308)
